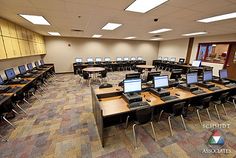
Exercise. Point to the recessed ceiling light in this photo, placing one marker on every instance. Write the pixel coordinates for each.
(156, 39)
(160, 30)
(111, 26)
(194, 34)
(97, 36)
(218, 18)
(143, 6)
(130, 37)
(54, 33)
(35, 19)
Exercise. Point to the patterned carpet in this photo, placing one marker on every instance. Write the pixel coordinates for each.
(62, 125)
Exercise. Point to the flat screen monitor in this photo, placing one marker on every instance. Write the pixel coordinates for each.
(118, 59)
(223, 74)
(151, 75)
(98, 59)
(159, 58)
(126, 58)
(42, 62)
(1, 80)
(176, 74)
(165, 58)
(191, 78)
(107, 59)
(30, 66)
(196, 63)
(173, 59)
(132, 58)
(78, 60)
(132, 85)
(207, 76)
(132, 76)
(181, 60)
(161, 81)
(10, 73)
(140, 58)
(22, 69)
(89, 59)
(36, 64)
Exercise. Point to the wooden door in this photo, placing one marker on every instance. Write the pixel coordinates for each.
(2, 49)
(231, 64)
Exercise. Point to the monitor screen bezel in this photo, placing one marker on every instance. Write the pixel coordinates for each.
(140, 80)
(107, 58)
(10, 69)
(203, 76)
(221, 75)
(187, 78)
(78, 59)
(161, 86)
(200, 62)
(119, 58)
(20, 69)
(30, 64)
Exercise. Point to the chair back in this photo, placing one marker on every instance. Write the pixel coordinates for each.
(223, 97)
(143, 115)
(178, 108)
(206, 102)
(104, 74)
(85, 75)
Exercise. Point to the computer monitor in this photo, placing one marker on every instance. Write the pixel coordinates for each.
(36, 63)
(223, 74)
(165, 58)
(98, 59)
(132, 58)
(126, 59)
(159, 58)
(132, 76)
(1, 81)
(176, 74)
(107, 59)
(173, 59)
(30, 66)
(191, 78)
(42, 62)
(151, 75)
(140, 58)
(132, 85)
(118, 59)
(22, 69)
(207, 76)
(196, 63)
(181, 60)
(10, 73)
(78, 60)
(89, 59)
(161, 81)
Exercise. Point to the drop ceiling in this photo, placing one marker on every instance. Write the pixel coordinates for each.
(92, 15)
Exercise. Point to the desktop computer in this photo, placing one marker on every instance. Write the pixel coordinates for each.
(159, 83)
(133, 76)
(151, 75)
(191, 78)
(131, 89)
(207, 77)
(23, 72)
(196, 63)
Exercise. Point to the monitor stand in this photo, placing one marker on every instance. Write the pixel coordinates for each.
(160, 92)
(131, 97)
(188, 87)
(206, 84)
(221, 81)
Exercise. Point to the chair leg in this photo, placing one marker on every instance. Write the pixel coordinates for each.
(183, 122)
(15, 111)
(20, 108)
(223, 106)
(199, 118)
(160, 115)
(234, 103)
(35, 96)
(171, 132)
(208, 114)
(135, 139)
(4, 118)
(26, 101)
(217, 112)
(4, 139)
(153, 130)
(127, 121)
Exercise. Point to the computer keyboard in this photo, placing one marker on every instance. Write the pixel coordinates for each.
(137, 105)
(12, 90)
(230, 85)
(2, 97)
(168, 98)
(198, 92)
(216, 88)
(4, 88)
(17, 81)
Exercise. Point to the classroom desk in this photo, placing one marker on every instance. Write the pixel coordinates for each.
(108, 102)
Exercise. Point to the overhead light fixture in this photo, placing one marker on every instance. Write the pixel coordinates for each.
(35, 19)
(218, 18)
(194, 34)
(143, 6)
(54, 33)
(130, 37)
(161, 30)
(156, 39)
(111, 26)
(97, 36)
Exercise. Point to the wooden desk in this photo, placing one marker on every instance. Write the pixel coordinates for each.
(94, 69)
(108, 102)
(145, 66)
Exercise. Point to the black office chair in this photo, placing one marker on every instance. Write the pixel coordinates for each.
(103, 75)
(142, 116)
(221, 101)
(174, 110)
(234, 100)
(86, 77)
(202, 104)
(6, 109)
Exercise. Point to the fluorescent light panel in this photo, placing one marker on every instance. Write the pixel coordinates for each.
(130, 37)
(218, 18)
(111, 26)
(156, 39)
(194, 33)
(54, 33)
(143, 6)
(97, 36)
(161, 30)
(35, 19)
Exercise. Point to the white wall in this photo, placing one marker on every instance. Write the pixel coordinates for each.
(63, 56)
(173, 48)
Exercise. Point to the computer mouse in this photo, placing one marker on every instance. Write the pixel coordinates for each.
(177, 94)
(148, 100)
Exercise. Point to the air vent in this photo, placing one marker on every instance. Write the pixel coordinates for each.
(77, 30)
(157, 36)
